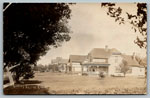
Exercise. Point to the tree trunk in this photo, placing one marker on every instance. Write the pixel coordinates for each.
(9, 74)
(17, 77)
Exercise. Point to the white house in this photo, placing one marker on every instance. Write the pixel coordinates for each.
(135, 69)
(105, 60)
(75, 62)
(60, 64)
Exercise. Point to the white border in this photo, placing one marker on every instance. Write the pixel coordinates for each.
(64, 96)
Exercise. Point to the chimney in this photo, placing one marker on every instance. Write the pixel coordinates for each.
(106, 48)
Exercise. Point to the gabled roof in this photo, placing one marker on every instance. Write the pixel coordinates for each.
(145, 60)
(59, 61)
(103, 53)
(131, 61)
(114, 51)
(77, 58)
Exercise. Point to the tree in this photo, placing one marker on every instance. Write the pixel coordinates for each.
(29, 31)
(124, 67)
(40, 68)
(142, 62)
(138, 21)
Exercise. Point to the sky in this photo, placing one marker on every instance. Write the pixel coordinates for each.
(92, 28)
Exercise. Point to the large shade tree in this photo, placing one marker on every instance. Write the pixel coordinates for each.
(29, 31)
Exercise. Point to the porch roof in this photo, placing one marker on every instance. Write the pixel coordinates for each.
(96, 64)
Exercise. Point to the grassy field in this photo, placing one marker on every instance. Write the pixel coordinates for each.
(59, 83)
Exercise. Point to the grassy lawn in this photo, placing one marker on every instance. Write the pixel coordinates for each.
(59, 83)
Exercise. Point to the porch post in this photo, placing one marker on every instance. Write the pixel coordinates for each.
(87, 68)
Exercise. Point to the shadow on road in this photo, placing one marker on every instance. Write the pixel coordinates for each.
(26, 87)
(31, 81)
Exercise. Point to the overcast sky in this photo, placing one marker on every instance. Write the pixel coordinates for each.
(93, 28)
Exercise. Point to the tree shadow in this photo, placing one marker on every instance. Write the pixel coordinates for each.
(5, 81)
(31, 82)
(26, 87)
(25, 90)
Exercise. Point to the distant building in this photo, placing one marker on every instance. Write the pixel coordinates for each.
(75, 63)
(103, 60)
(59, 64)
(135, 69)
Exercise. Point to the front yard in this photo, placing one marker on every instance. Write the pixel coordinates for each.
(59, 83)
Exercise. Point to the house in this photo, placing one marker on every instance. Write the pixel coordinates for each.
(109, 61)
(60, 64)
(75, 63)
(102, 60)
(63, 65)
(135, 69)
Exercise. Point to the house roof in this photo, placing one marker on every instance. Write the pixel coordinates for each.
(60, 61)
(131, 61)
(53, 61)
(145, 61)
(103, 53)
(114, 51)
(77, 58)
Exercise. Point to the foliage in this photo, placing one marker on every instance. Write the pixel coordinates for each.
(141, 61)
(29, 31)
(138, 21)
(40, 68)
(47, 68)
(124, 67)
(101, 75)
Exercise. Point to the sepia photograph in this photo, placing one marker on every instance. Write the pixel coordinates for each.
(74, 48)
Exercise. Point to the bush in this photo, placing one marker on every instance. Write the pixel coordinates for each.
(101, 75)
(85, 74)
(29, 75)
